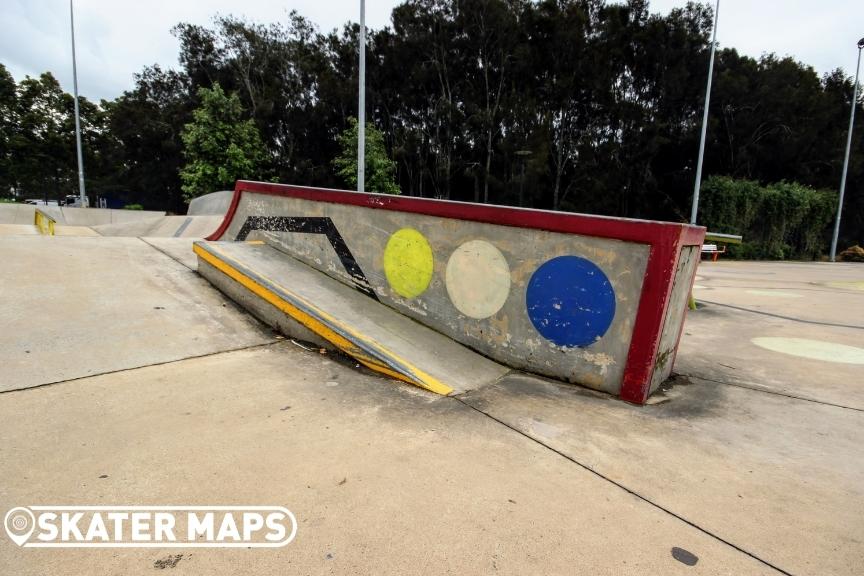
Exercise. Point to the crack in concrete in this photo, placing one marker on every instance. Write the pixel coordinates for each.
(757, 388)
(163, 363)
(701, 301)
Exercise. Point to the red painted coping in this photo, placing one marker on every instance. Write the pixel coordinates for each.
(666, 239)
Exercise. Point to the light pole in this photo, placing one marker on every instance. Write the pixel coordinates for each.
(81, 191)
(695, 208)
(361, 104)
(846, 159)
(523, 155)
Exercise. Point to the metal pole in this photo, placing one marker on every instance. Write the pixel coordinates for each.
(846, 159)
(81, 191)
(522, 184)
(361, 105)
(695, 208)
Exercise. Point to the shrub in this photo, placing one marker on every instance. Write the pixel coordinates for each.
(778, 221)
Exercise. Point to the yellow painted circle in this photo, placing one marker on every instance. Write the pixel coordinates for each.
(408, 263)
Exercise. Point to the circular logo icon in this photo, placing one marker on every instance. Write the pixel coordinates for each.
(19, 523)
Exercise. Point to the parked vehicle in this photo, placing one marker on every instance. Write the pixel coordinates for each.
(75, 201)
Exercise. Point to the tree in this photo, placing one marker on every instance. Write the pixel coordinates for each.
(219, 146)
(380, 169)
(147, 122)
(8, 122)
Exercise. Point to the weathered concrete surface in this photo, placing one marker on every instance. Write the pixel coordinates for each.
(215, 203)
(80, 306)
(180, 249)
(675, 314)
(819, 293)
(816, 301)
(383, 479)
(96, 216)
(19, 230)
(63, 230)
(376, 332)
(165, 226)
(17, 213)
(776, 476)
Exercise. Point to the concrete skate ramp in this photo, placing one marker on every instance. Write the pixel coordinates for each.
(164, 227)
(591, 300)
(17, 214)
(96, 216)
(273, 285)
(213, 204)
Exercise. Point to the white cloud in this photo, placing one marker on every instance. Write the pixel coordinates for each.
(117, 38)
(822, 34)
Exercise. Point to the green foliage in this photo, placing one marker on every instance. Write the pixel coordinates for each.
(779, 221)
(145, 123)
(133, 207)
(380, 169)
(219, 146)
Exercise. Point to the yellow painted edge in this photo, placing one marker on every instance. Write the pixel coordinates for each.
(422, 379)
(425, 381)
(43, 223)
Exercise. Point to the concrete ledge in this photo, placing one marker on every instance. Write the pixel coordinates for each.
(372, 333)
(591, 300)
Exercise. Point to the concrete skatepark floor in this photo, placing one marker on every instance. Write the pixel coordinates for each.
(749, 460)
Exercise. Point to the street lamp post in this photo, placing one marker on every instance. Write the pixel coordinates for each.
(361, 104)
(846, 158)
(695, 208)
(81, 191)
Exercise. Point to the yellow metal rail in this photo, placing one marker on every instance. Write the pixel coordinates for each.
(44, 223)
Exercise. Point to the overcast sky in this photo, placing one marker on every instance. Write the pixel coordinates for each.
(116, 38)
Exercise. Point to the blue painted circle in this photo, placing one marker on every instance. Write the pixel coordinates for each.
(570, 301)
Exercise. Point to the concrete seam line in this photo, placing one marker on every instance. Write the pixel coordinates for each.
(167, 254)
(782, 317)
(755, 388)
(108, 372)
(623, 487)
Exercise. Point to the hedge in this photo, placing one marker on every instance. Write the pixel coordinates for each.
(779, 221)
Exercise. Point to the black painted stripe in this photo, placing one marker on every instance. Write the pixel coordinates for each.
(312, 225)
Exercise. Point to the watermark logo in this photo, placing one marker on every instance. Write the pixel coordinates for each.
(150, 526)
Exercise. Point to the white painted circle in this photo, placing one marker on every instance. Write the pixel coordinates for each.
(478, 279)
(813, 349)
(774, 293)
